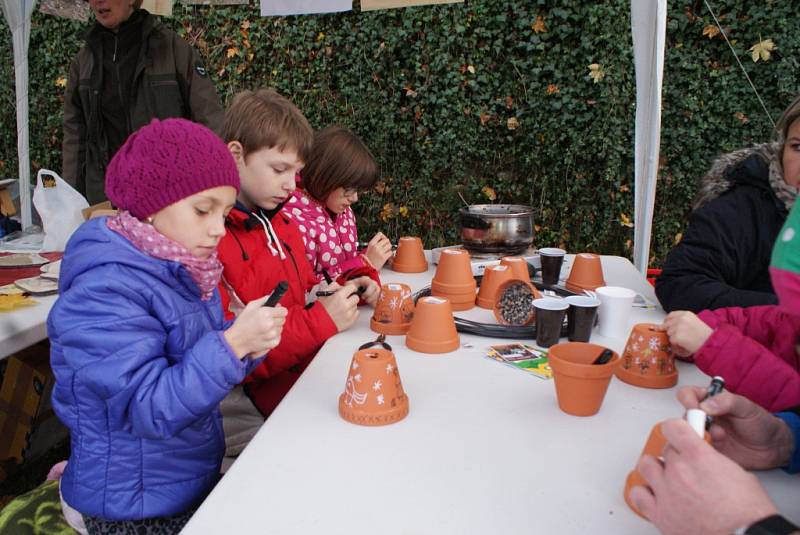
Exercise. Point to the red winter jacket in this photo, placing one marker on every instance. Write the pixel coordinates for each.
(755, 350)
(252, 268)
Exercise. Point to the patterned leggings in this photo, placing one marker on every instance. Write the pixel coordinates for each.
(165, 525)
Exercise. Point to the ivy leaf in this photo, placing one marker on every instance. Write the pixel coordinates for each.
(512, 123)
(471, 69)
(538, 26)
(711, 31)
(762, 49)
(596, 72)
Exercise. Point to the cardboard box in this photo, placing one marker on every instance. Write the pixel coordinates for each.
(25, 406)
(97, 210)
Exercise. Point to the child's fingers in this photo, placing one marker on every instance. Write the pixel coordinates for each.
(691, 396)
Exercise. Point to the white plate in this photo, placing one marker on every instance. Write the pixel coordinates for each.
(51, 270)
(37, 285)
(18, 260)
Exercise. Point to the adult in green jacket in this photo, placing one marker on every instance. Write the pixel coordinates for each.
(131, 69)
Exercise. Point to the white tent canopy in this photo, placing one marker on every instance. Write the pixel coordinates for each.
(648, 25)
(18, 15)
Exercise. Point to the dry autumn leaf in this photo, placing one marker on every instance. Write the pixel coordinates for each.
(711, 30)
(387, 212)
(596, 72)
(471, 69)
(762, 50)
(538, 26)
(485, 118)
(624, 220)
(232, 51)
(678, 237)
(61, 81)
(742, 117)
(489, 193)
(245, 24)
(552, 89)
(403, 211)
(512, 123)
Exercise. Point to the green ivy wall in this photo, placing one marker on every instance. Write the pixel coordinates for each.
(493, 99)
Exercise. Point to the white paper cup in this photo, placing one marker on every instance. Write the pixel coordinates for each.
(615, 310)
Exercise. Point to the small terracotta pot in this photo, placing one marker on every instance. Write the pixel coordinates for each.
(519, 267)
(655, 448)
(586, 273)
(580, 385)
(493, 277)
(373, 393)
(648, 360)
(394, 310)
(513, 302)
(454, 280)
(410, 256)
(433, 329)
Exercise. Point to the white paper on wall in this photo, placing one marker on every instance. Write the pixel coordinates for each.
(280, 8)
(369, 5)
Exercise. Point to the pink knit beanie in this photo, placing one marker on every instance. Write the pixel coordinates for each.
(167, 161)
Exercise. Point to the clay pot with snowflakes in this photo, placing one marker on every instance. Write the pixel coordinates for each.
(433, 329)
(648, 360)
(373, 393)
(454, 280)
(410, 256)
(394, 310)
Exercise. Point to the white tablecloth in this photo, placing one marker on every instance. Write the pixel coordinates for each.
(484, 449)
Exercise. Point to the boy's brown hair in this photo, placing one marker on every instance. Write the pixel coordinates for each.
(339, 159)
(264, 119)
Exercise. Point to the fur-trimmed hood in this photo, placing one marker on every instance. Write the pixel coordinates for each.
(759, 166)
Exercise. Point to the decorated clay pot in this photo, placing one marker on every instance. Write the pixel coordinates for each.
(410, 256)
(454, 280)
(373, 393)
(580, 385)
(586, 273)
(647, 360)
(394, 310)
(433, 329)
(493, 277)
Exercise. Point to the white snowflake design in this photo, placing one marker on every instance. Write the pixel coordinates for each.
(357, 377)
(377, 386)
(355, 365)
(653, 344)
(380, 399)
(389, 368)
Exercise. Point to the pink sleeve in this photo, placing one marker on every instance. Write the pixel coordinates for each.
(756, 322)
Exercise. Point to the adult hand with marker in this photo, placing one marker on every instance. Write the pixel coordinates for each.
(696, 489)
(742, 430)
(257, 329)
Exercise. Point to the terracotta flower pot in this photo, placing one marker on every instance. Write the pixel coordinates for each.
(586, 273)
(580, 385)
(410, 256)
(519, 267)
(654, 447)
(373, 393)
(394, 310)
(493, 277)
(513, 302)
(433, 329)
(454, 280)
(647, 360)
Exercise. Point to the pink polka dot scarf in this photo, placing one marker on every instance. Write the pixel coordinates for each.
(205, 272)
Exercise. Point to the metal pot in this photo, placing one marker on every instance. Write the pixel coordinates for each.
(496, 228)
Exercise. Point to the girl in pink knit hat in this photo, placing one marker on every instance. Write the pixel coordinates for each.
(141, 353)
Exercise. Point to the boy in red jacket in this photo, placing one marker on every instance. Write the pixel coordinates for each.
(270, 139)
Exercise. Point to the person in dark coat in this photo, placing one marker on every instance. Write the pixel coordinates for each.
(723, 258)
(131, 70)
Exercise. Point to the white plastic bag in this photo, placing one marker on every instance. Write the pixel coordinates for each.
(59, 207)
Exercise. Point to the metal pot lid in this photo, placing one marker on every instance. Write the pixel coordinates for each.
(497, 210)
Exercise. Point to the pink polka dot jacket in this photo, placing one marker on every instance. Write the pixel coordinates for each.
(330, 244)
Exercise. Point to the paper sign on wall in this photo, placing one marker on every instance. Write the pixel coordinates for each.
(281, 8)
(69, 9)
(370, 5)
(158, 7)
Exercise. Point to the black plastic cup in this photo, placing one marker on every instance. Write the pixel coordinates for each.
(549, 318)
(581, 317)
(551, 259)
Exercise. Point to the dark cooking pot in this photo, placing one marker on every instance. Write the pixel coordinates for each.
(496, 228)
